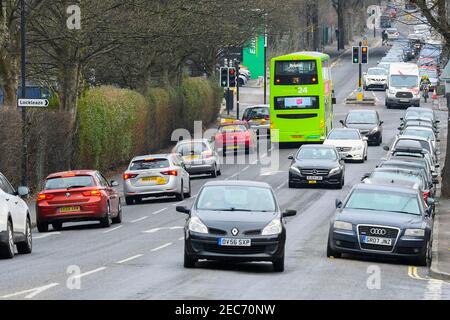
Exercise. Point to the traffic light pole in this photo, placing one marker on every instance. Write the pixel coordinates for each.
(237, 89)
(24, 175)
(360, 67)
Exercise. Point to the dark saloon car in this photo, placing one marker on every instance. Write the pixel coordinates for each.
(368, 123)
(380, 220)
(316, 164)
(236, 221)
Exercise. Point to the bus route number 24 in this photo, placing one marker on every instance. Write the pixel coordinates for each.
(302, 90)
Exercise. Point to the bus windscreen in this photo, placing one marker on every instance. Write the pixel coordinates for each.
(296, 72)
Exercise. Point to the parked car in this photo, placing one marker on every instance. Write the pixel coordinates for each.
(317, 165)
(156, 175)
(15, 220)
(235, 221)
(423, 132)
(350, 144)
(383, 221)
(73, 196)
(367, 122)
(200, 156)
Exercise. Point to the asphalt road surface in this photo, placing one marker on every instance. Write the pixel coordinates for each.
(143, 257)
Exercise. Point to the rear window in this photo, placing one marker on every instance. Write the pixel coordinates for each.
(233, 128)
(191, 148)
(69, 182)
(256, 113)
(150, 164)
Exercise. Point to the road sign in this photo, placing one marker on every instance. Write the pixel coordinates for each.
(36, 103)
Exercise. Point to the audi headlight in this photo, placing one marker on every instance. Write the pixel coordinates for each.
(341, 225)
(415, 232)
(196, 225)
(374, 130)
(273, 228)
(335, 170)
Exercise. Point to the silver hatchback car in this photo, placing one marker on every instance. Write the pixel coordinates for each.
(156, 175)
(199, 156)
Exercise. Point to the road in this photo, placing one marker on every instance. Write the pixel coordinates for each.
(143, 257)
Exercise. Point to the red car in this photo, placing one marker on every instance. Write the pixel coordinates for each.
(235, 136)
(83, 195)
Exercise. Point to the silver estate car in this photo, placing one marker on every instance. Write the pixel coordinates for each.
(156, 175)
(199, 156)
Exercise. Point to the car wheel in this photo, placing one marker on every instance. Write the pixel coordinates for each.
(25, 247)
(291, 184)
(189, 262)
(219, 172)
(129, 201)
(118, 219)
(7, 249)
(42, 226)
(188, 194)
(331, 252)
(180, 196)
(214, 172)
(425, 259)
(278, 265)
(341, 185)
(106, 221)
(57, 226)
(380, 141)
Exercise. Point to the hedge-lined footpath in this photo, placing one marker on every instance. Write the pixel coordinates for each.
(116, 124)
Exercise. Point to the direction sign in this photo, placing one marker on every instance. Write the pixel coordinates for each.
(37, 103)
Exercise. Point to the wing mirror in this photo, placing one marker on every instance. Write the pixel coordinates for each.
(338, 203)
(385, 148)
(291, 157)
(381, 123)
(23, 192)
(342, 122)
(114, 183)
(183, 209)
(365, 176)
(289, 213)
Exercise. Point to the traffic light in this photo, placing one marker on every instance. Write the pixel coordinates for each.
(232, 75)
(355, 54)
(224, 77)
(365, 54)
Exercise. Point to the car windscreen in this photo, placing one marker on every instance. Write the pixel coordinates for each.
(404, 81)
(376, 72)
(377, 200)
(316, 154)
(191, 148)
(233, 128)
(419, 133)
(146, 164)
(69, 182)
(344, 135)
(362, 118)
(236, 198)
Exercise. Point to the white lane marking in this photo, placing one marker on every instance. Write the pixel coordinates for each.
(81, 275)
(280, 186)
(176, 228)
(433, 290)
(272, 173)
(234, 175)
(140, 219)
(159, 211)
(181, 239)
(162, 228)
(152, 230)
(162, 247)
(130, 259)
(46, 235)
(31, 292)
(113, 229)
(178, 203)
(246, 168)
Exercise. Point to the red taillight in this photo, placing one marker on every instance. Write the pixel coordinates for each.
(127, 176)
(92, 193)
(44, 196)
(170, 173)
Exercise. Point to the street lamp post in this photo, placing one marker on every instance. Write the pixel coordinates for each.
(23, 92)
(265, 59)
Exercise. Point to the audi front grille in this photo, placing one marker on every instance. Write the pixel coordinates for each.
(377, 231)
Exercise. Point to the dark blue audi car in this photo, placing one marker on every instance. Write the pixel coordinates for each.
(382, 220)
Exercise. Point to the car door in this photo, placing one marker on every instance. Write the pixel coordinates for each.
(113, 196)
(16, 206)
(178, 162)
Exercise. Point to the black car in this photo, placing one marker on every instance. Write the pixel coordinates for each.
(380, 220)
(412, 164)
(368, 123)
(235, 221)
(317, 165)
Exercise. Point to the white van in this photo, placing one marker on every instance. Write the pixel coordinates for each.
(403, 85)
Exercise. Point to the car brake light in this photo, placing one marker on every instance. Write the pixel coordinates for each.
(45, 196)
(170, 173)
(127, 176)
(92, 193)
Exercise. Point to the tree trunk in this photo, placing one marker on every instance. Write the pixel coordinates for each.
(9, 67)
(69, 81)
(341, 24)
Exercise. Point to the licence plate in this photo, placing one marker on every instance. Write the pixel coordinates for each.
(69, 209)
(233, 147)
(314, 178)
(404, 100)
(158, 180)
(297, 137)
(376, 240)
(190, 158)
(234, 242)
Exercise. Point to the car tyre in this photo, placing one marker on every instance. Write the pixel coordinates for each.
(57, 226)
(106, 221)
(291, 185)
(118, 219)
(189, 193)
(7, 249)
(25, 247)
(42, 226)
(331, 252)
(425, 259)
(189, 262)
(214, 172)
(278, 265)
(180, 196)
(129, 201)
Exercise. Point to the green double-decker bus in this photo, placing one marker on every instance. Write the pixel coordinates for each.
(301, 97)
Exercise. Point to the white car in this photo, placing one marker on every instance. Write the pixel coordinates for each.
(375, 78)
(423, 132)
(392, 33)
(200, 156)
(15, 221)
(350, 144)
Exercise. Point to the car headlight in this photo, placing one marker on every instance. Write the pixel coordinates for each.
(374, 130)
(335, 170)
(295, 169)
(357, 148)
(273, 228)
(196, 225)
(391, 91)
(415, 232)
(341, 225)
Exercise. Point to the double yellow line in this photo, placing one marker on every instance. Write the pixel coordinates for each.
(412, 273)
